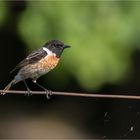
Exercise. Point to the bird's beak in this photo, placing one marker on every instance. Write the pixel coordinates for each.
(67, 46)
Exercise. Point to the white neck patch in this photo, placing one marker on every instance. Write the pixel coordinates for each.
(48, 51)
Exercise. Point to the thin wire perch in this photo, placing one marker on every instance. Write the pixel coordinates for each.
(115, 96)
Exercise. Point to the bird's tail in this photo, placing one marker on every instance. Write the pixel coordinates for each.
(9, 86)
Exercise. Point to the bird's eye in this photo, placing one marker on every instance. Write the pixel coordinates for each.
(57, 46)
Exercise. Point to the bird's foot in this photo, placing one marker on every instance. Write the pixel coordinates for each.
(48, 94)
(29, 92)
(2, 93)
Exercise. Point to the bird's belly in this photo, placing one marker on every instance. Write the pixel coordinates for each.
(39, 68)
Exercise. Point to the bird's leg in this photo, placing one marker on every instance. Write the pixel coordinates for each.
(28, 89)
(48, 92)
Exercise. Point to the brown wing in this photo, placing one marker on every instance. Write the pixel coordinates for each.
(31, 58)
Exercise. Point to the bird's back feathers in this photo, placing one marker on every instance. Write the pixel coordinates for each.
(31, 58)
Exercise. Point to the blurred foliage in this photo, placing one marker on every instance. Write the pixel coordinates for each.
(102, 35)
(3, 12)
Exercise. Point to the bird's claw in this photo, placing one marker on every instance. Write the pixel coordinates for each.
(48, 94)
(29, 92)
(2, 93)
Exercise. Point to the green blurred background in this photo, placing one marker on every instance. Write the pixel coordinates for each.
(104, 57)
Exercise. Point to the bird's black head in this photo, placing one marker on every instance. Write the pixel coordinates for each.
(56, 47)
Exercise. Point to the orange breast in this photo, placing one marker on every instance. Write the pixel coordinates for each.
(49, 62)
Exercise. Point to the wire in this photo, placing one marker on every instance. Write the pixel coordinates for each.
(114, 96)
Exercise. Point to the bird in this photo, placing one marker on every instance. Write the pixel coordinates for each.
(38, 63)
